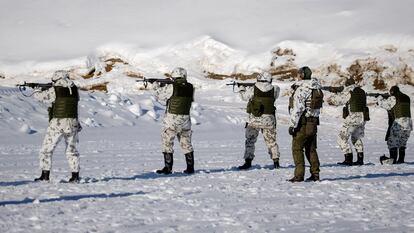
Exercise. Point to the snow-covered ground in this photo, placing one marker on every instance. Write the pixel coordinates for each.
(117, 42)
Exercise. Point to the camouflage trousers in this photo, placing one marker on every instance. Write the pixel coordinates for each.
(398, 136)
(183, 136)
(356, 133)
(66, 128)
(269, 135)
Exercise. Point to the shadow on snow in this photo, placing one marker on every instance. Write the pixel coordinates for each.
(72, 198)
(370, 176)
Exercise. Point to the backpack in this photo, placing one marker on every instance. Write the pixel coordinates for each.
(316, 100)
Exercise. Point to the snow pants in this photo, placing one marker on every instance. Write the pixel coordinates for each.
(269, 135)
(66, 128)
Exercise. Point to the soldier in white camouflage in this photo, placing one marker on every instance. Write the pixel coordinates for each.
(262, 118)
(63, 97)
(177, 121)
(304, 108)
(400, 124)
(355, 114)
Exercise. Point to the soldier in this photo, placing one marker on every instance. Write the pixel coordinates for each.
(63, 123)
(304, 119)
(401, 125)
(177, 121)
(355, 114)
(262, 117)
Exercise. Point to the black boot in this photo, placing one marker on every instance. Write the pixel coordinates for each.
(168, 161)
(247, 164)
(394, 155)
(189, 159)
(401, 156)
(44, 176)
(295, 179)
(360, 159)
(392, 159)
(313, 177)
(276, 164)
(74, 178)
(348, 160)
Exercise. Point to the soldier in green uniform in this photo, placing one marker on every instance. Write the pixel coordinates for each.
(63, 123)
(306, 102)
(401, 125)
(177, 121)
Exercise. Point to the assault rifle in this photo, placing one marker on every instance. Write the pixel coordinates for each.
(333, 89)
(42, 86)
(239, 84)
(161, 81)
(384, 95)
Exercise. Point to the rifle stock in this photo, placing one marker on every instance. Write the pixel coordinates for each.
(161, 81)
(384, 95)
(333, 89)
(239, 84)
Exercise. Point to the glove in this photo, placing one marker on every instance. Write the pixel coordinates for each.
(292, 131)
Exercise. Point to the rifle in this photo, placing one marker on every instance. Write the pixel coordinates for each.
(42, 86)
(384, 95)
(161, 81)
(238, 84)
(333, 89)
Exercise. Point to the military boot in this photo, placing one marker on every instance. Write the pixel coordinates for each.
(348, 160)
(44, 176)
(276, 164)
(168, 161)
(247, 164)
(74, 178)
(392, 159)
(189, 159)
(313, 177)
(401, 156)
(394, 155)
(360, 159)
(295, 179)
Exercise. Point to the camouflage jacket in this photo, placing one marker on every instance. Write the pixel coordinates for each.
(303, 92)
(406, 123)
(354, 118)
(265, 120)
(172, 121)
(49, 96)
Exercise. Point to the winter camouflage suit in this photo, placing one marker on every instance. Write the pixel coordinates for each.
(303, 127)
(352, 127)
(266, 123)
(66, 128)
(173, 124)
(401, 123)
(177, 121)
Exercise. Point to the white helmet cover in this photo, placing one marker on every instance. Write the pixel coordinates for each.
(179, 72)
(264, 77)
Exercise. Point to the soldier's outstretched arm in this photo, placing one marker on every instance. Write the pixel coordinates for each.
(245, 93)
(47, 96)
(162, 94)
(341, 98)
(386, 103)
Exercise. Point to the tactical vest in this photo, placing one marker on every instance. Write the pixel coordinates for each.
(402, 106)
(358, 100)
(66, 103)
(316, 100)
(181, 99)
(262, 102)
